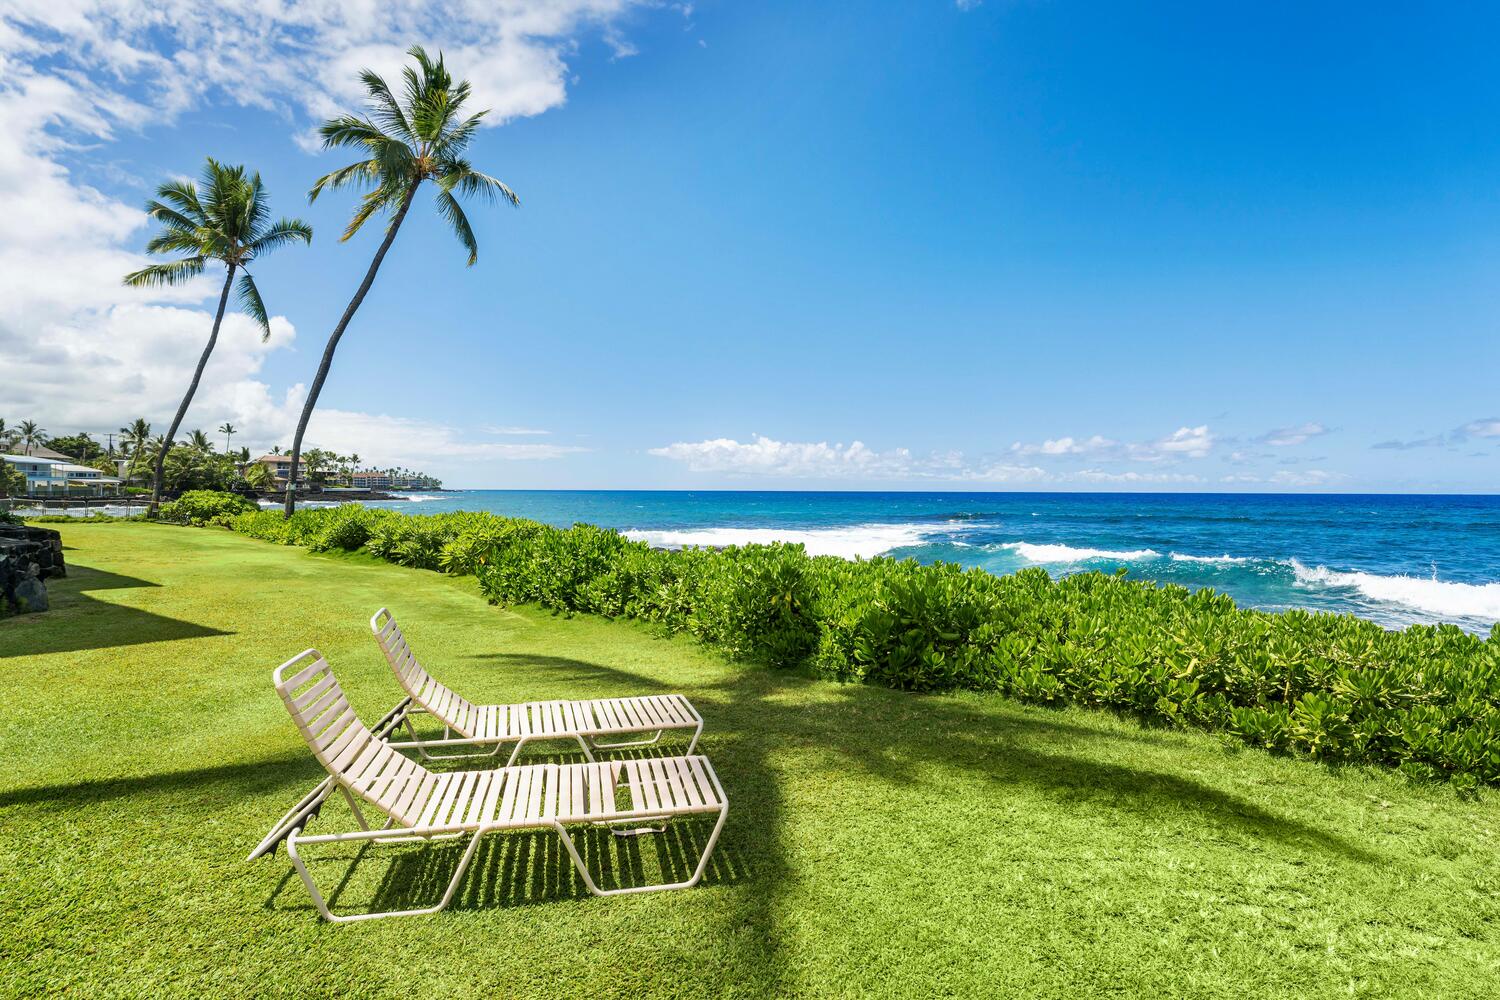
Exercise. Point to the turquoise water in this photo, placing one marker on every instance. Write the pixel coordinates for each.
(1394, 559)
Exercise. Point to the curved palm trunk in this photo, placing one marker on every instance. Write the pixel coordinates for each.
(333, 343)
(166, 443)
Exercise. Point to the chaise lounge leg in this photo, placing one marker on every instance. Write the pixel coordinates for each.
(593, 887)
(322, 904)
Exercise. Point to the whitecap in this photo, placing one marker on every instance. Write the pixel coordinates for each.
(1224, 560)
(1443, 598)
(1068, 554)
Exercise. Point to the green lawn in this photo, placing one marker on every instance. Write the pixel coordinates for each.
(878, 843)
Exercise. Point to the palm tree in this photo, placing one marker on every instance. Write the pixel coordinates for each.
(198, 441)
(405, 142)
(227, 429)
(134, 436)
(31, 435)
(228, 224)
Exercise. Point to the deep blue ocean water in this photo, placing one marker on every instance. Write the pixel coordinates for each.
(1394, 559)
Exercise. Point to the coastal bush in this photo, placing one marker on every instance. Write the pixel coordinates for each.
(1332, 687)
(201, 507)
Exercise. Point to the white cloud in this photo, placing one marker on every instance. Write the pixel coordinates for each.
(1287, 477)
(1185, 442)
(83, 353)
(419, 444)
(1066, 446)
(1285, 437)
(764, 456)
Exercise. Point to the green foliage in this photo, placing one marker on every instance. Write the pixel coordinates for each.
(203, 507)
(1332, 687)
(12, 480)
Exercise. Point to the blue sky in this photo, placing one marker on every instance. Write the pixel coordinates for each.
(914, 245)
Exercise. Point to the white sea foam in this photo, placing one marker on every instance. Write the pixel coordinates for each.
(1068, 554)
(1443, 598)
(851, 542)
(1225, 560)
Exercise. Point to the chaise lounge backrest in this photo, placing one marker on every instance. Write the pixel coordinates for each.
(354, 756)
(441, 702)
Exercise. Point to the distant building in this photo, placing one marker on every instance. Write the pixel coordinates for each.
(279, 466)
(61, 477)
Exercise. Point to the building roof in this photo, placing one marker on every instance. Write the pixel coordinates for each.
(39, 451)
(276, 459)
(36, 459)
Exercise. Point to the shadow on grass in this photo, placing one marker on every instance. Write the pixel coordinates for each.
(247, 779)
(78, 622)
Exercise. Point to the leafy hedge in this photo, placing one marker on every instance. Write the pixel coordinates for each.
(1334, 687)
(201, 507)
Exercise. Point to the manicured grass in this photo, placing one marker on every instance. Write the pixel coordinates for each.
(878, 843)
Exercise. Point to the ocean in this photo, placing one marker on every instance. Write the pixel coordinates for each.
(1396, 560)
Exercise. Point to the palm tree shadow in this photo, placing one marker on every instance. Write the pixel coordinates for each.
(751, 721)
(91, 623)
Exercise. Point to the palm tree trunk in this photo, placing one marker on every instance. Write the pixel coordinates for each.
(333, 343)
(166, 444)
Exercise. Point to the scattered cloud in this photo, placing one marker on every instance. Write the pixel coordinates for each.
(967, 5)
(1486, 427)
(515, 431)
(415, 443)
(1067, 446)
(1303, 478)
(1286, 437)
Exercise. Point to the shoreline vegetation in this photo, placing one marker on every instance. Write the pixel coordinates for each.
(1331, 687)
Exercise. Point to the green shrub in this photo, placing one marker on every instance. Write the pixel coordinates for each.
(1332, 687)
(204, 507)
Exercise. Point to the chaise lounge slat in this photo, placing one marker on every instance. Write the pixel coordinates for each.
(421, 805)
(582, 721)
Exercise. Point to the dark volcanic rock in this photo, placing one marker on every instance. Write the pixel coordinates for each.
(27, 557)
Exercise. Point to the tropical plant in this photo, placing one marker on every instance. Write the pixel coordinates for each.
(405, 143)
(228, 222)
(81, 447)
(30, 435)
(133, 437)
(202, 507)
(228, 430)
(258, 477)
(198, 441)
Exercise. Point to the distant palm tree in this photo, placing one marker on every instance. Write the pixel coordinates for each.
(276, 450)
(31, 435)
(198, 441)
(228, 224)
(406, 142)
(227, 429)
(132, 437)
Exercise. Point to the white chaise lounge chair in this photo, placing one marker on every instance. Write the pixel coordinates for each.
(422, 806)
(583, 721)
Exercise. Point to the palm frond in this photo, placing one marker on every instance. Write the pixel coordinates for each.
(249, 297)
(173, 272)
(453, 213)
(460, 176)
(170, 217)
(175, 241)
(456, 140)
(276, 236)
(376, 201)
(184, 195)
(363, 173)
(347, 130)
(384, 105)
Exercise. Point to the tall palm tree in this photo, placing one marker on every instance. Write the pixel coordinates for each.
(31, 435)
(405, 142)
(198, 441)
(227, 429)
(227, 223)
